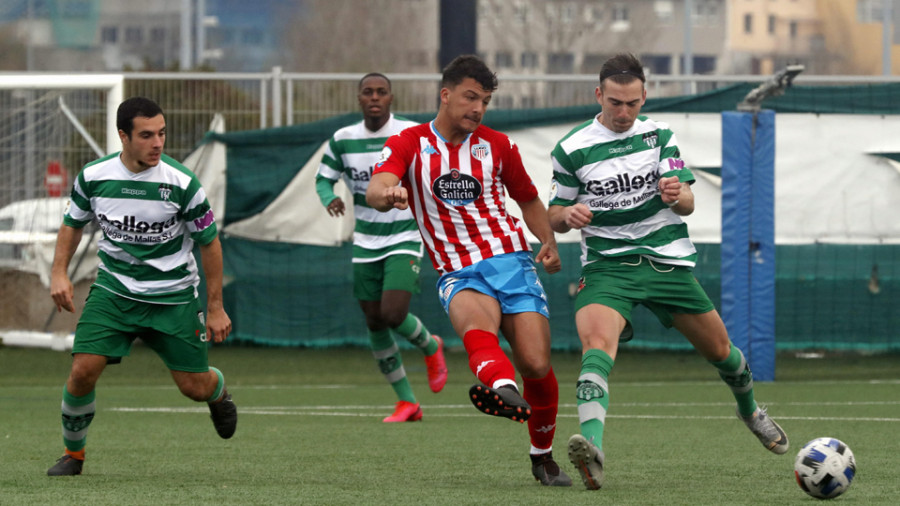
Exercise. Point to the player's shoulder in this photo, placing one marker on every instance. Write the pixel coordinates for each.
(413, 132)
(646, 124)
(494, 137)
(401, 123)
(101, 164)
(352, 131)
(581, 135)
(581, 128)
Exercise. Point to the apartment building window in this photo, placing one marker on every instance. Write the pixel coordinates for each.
(503, 59)
(665, 11)
(704, 64)
(520, 13)
(771, 25)
(593, 62)
(793, 29)
(109, 35)
(748, 23)
(593, 14)
(620, 18)
(567, 12)
(657, 63)
(157, 35)
(502, 102)
(133, 35)
(560, 63)
(529, 60)
(869, 11)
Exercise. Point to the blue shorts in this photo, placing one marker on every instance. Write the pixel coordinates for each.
(510, 278)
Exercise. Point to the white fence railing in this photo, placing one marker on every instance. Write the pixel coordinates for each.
(34, 130)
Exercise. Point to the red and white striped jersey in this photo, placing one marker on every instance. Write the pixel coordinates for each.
(456, 192)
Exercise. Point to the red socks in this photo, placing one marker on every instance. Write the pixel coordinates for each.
(490, 364)
(543, 395)
(486, 359)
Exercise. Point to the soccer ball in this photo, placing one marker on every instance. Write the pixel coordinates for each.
(824, 468)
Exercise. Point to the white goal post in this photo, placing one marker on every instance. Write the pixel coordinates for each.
(113, 84)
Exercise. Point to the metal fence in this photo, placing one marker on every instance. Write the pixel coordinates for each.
(36, 131)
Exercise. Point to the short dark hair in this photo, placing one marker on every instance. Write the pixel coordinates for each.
(132, 108)
(373, 74)
(622, 68)
(469, 65)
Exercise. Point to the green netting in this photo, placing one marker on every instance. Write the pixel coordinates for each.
(295, 295)
(828, 296)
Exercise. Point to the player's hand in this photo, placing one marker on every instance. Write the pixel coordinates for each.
(62, 292)
(335, 207)
(578, 216)
(396, 196)
(218, 325)
(669, 189)
(548, 256)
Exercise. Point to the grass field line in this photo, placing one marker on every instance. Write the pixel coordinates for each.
(379, 411)
(623, 384)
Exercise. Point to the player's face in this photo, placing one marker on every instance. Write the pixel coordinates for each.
(145, 146)
(375, 97)
(621, 103)
(465, 104)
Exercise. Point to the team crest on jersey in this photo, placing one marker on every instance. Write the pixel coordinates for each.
(481, 151)
(456, 188)
(650, 139)
(165, 190)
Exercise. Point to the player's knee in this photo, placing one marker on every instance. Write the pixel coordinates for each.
(535, 367)
(393, 318)
(82, 379)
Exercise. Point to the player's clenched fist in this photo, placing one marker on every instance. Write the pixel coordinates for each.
(578, 216)
(396, 196)
(669, 189)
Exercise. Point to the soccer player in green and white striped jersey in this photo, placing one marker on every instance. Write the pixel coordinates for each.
(620, 179)
(387, 247)
(150, 210)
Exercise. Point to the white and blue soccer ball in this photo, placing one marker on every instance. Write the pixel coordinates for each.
(825, 467)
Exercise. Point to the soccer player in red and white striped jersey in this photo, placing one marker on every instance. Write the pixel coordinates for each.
(455, 173)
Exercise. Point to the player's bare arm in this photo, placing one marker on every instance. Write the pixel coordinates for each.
(565, 218)
(535, 216)
(61, 289)
(384, 194)
(677, 195)
(218, 324)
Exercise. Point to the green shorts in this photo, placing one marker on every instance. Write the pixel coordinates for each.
(624, 282)
(110, 323)
(395, 272)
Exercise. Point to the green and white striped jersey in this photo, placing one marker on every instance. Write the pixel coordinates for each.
(149, 223)
(616, 175)
(352, 153)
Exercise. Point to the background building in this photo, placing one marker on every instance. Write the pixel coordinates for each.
(515, 36)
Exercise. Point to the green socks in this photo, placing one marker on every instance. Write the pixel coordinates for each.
(415, 332)
(220, 386)
(592, 393)
(387, 354)
(735, 372)
(77, 413)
